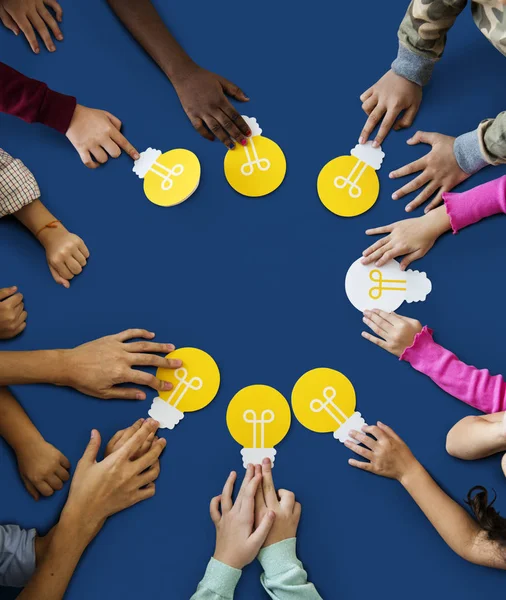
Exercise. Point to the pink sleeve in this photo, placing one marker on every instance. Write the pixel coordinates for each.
(482, 201)
(473, 386)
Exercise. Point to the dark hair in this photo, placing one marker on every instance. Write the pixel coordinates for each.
(486, 515)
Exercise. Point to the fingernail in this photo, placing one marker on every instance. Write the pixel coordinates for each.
(394, 196)
(136, 156)
(162, 441)
(266, 461)
(360, 140)
(166, 385)
(37, 50)
(375, 144)
(139, 396)
(248, 132)
(59, 37)
(92, 435)
(391, 175)
(232, 146)
(52, 48)
(152, 333)
(169, 347)
(244, 142)
(176, 363)
(408, 208)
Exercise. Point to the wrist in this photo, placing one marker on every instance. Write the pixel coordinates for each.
(228, 560)
(79, 525)
(47, 231)
(439, 221)
(180, 71)
(410, 474)
(26, 439)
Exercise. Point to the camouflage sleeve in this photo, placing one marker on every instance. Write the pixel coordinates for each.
(422, 37)
(484, 146)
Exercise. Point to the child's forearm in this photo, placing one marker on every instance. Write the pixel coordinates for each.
(15, 425)
(141, 18)
(473, 438)
(34, 216)
(453, 523)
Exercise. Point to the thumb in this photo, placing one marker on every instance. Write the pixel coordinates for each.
(421, 137)
(262, 531)
(58, 278)
(409, 258)
(90, 454)
(232, 90)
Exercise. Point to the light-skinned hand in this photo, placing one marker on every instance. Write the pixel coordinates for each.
(203, 96)
(66, 253)
(96, 368)
(396, 333)
(411, 238)
(385, 101)
(387, 455)
(238, 541)
(96, 135)
(30, 16)
(121, 437)
(12, 313)
(282, 503)
(440, 171)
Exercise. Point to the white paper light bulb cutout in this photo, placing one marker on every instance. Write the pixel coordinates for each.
(324, 400)
(195, 384)
(386, 287)
(348, 185)
(169, 178)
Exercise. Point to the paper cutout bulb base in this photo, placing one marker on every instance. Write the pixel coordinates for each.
(255, 456)
(356, 422)
(167, 415)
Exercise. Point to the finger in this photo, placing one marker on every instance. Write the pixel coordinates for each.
(375, 431)
(391, 317)
(260, 503)
(231, 128)
(55, 482)
(44, 489)
(145, 447)
(79, 256)
(73, 266)
(435, 202)
(125, 434)
(120, 393)
(19, 329)
(380, 230)
(199, 126)
(413, 185)
(9, 22)
(112, 149)
(90, 454)
(114, 120)
(248, 498)
(129, 334)
(64, 461)
(367, 94)
(232, 90)
(56, 7)
(143, 378)
(153, 360)
(271, 498)
(217, 130)
(362, 438)
(62, 473)
(422, 137)
(149, 475)
(378, 244)
(287, 499)
(13, 300)
(152, 347)
(136, 441)
(58, 278)
(248, 476)
(374, 327)
(427, 192)
(375, 340)
(214, 509)
(63, 270)
(50, 22)
(370, 104)
(359, 464)
(258, 537)
(144, 493)
(386, 125)
(43, 31)
(21, 319)
(389, 431)
(99, 154)
(407, 118)
(226, 494)
(151, 457)
(378, 253)
(7, 292)
(409, 258)
(372, 121)
(414, 167)
(390, 254)
(360, 450)
(27, 29)
(297, 510)
(125, 145)
(32, 490)
(87, 160)
(84, 249)
(384, 323)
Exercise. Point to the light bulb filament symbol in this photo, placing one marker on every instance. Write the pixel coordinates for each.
(166, 174)
(250, 416)
(181, 374)
(377, 290)
(355, 190)
(329, 406)
(263, 164)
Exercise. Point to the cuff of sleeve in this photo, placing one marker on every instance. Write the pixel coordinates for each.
(468, 153)
(221, 579)
(279, 557)
(412, 66)
(421, 341)
(57, 110)
(448, 198)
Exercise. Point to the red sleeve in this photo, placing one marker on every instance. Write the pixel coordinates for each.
(33, 101)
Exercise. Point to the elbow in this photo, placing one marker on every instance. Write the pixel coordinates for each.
(457, 439)
(452, 445)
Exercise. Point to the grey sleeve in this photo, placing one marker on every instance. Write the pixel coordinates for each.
(17, 555)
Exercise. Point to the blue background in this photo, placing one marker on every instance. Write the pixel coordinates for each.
(259, 284)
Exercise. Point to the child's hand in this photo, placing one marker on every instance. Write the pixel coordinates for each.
(282, 503)
(411, 238)
(396, 332)
(440, 171)
(12, 313)
(95, 134)
(120, 438)
(27, 15)
(388, 455)
(386, 99)
(237, 540)
(66, 253)
(42, 467)
(204, 98)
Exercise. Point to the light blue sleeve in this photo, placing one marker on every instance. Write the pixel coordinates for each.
(284, 577)
(219, 582)
(17, 555)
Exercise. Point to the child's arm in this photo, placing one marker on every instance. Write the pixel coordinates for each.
(389, 456)
(42, 467)
(406, 339)
(203, 94)
(477, 436)
(66, 253)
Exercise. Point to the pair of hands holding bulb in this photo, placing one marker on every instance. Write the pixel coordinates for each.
(259, 517)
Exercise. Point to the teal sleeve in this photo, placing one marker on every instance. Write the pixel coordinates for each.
(284, 577)
(219, 582)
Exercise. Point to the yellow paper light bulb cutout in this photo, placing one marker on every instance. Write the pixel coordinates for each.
(257, 168)
(324, 400)
(348, 185)
(169, 178)
(195, 385)
(258, 418)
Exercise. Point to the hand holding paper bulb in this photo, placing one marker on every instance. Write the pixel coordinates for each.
(323, 400)
(258, 418)
(195, 385)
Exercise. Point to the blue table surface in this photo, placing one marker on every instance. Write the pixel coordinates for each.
(259, 284)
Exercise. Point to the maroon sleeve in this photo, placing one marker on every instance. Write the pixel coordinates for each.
(33, 101)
